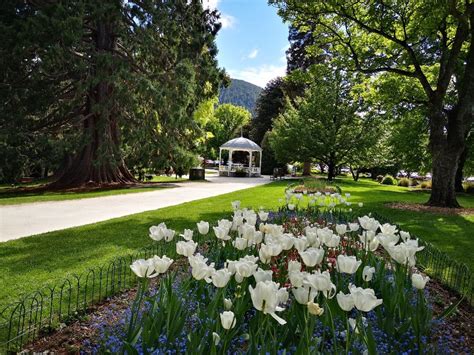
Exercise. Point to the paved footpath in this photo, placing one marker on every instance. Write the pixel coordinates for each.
(17, 221)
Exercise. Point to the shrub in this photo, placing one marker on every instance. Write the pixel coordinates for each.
(426, 184)
(405, 182)
(388, 180)
(414, 182)
(469, 188)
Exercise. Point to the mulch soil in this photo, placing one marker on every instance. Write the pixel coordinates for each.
(435, 210)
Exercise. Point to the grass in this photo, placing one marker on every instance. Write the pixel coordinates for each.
(11, 196)
(30, 263)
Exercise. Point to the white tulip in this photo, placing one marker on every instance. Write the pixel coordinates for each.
(235, 205)
(346, 302)
(157, 232)
(368, 273)
(312, 256)
(168, 234)
(244, 269)
(263, 275)
(297, 278)
(291, 206)
(240, 243)
(188, 234)
(405, 235)
(237, 222)
(221, 277)
(321, 281)
(228, 320)
(247, 231)
(304, 294)
(388, 229)
(265, 298)
(286, 241)
(341, 229)
(203, 227)
(314, 309)
(202, 271)
(186, 248)
(161, 265)
(354, 227)
(347, 264)
(143, 268)
(225, 224)
(263, 216)
(221, 233)
(333, 242)
(216, 338)
(257, 237)
(196, 259)
(325, 234)
(294, 265)
(227, 304)
(418, 281)
(369, 223)
(360, 204)
(300, 243)
(364, 298)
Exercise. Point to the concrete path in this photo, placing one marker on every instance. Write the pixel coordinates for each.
(17, 221)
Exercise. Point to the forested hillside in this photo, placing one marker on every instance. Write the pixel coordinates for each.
(240, 93)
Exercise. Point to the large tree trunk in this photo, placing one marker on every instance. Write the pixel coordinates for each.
(331, 171)
(459, 172)
(100, 161)
(306, 168)
(446, 148)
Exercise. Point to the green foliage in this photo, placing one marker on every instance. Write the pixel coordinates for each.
(405, 182)
(388, 180)
(326, 124)
(426, 184)
(469, 188)
(240, 93)
(226, 124)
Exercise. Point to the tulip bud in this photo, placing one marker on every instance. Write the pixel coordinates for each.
(314, 309)
(418, 281)
(228, 320)
(227, 304)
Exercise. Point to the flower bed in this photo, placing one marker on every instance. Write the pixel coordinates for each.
(291, 281)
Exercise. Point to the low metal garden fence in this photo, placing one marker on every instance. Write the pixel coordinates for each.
(51, 307)
(439, 265)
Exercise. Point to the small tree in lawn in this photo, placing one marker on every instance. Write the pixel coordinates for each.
(327, 124)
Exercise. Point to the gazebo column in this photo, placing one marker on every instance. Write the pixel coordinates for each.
(220, 159)
(230, 162)
(260, 165)
(250, 164)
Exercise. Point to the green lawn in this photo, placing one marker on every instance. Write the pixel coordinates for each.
(9, 196)
(29, 263)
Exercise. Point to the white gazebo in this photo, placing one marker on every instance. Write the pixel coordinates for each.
(245, 156)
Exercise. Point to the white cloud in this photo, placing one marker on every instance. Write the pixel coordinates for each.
(253, 54)
(227, 21)
(259, 75)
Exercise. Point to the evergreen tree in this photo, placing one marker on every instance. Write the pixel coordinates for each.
(123, 77)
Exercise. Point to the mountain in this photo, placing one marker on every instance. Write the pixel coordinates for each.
(241, 93)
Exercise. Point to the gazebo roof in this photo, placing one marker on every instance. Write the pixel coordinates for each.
(241, 143)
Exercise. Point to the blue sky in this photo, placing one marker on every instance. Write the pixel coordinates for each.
(252, 41)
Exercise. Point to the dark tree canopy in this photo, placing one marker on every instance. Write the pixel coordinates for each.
(123, 78)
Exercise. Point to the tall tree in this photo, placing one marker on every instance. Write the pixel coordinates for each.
(113, 71)
(327, 125)
(429, 42)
